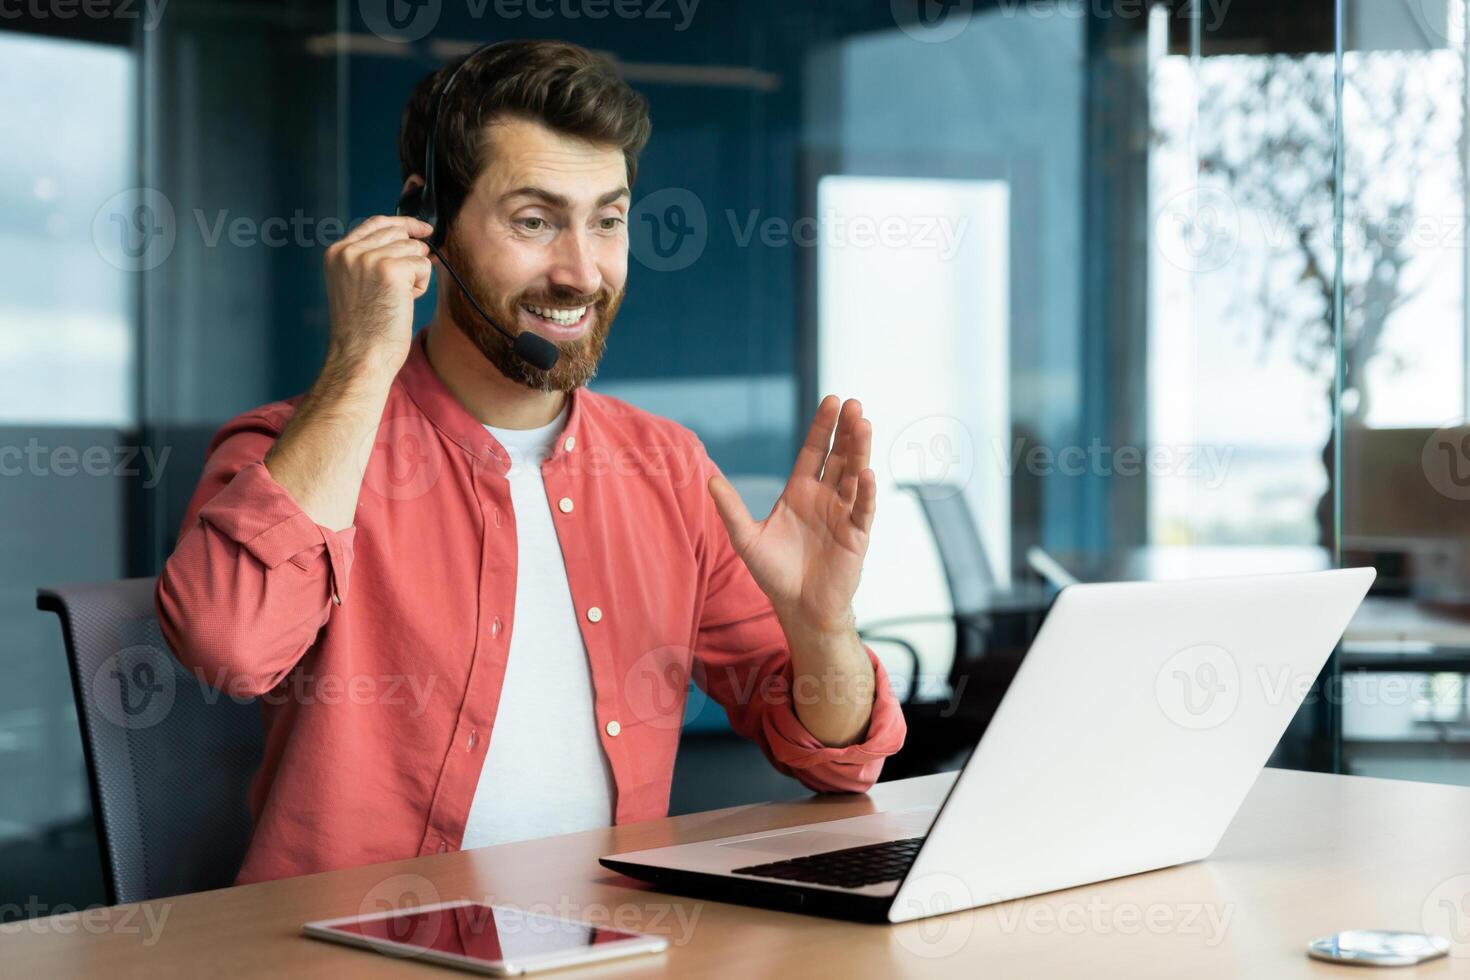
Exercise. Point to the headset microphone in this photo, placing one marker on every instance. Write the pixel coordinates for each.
(532, 348)
(422, 203)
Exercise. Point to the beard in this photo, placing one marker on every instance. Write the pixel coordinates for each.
(578, 359)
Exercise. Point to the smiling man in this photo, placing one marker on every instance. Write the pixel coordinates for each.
(543, 567)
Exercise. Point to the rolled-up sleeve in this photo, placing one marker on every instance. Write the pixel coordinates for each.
(253, 579)
(742, 661)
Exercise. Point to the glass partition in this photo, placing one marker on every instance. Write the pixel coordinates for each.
(1406, 441)
(1130, 289)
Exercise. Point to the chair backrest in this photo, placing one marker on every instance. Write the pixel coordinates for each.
(961, 549)
(169, 760)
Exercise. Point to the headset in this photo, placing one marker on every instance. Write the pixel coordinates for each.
(422, 202)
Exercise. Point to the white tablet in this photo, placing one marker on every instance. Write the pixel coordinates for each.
(480, 938)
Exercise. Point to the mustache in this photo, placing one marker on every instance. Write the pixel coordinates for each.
(600, 298)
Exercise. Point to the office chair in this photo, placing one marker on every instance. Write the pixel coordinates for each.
(993, 629)
(168, 759)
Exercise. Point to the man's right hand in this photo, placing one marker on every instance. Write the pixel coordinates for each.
(374, 274)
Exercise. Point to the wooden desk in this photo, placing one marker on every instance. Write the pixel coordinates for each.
(1307, 855)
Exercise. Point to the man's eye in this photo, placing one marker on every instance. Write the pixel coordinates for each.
(611, 224)
(533, 224)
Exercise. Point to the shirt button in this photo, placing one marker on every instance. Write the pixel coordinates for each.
(571, 441)
(613, 728)
(495, 627)
(470, 742)
(497, 517)
(443, 847)
(594, 615)
(565, 504)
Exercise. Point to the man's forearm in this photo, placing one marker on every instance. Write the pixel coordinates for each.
(832, 684)
(323, 452)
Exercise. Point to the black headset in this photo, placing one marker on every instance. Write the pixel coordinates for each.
(422, 202)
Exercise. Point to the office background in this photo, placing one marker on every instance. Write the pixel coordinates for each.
(1128, 282)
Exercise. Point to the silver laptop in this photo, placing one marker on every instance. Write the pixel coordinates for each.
(1132, 732)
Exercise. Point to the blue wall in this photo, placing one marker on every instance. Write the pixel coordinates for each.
(731, 316)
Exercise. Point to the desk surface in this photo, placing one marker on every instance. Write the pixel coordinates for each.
(1307, 855)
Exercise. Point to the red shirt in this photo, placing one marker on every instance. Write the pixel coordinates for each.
(379, 651)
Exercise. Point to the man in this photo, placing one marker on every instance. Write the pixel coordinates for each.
(470, 592)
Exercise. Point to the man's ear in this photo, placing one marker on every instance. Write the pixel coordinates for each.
(411, 202)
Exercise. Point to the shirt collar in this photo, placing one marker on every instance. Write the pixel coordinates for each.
(428, 391)
(532, 443)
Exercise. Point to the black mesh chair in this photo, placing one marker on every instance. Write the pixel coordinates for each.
(168, 759)
(993, 629)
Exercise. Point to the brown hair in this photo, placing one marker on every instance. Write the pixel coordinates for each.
(562, 86)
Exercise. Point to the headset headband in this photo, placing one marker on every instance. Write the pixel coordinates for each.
(426, 207)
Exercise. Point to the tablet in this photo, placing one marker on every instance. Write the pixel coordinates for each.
(493, 939)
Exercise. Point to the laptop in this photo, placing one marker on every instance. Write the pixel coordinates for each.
(1136, 725)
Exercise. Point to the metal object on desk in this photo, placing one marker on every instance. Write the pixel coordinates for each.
(1378, 947)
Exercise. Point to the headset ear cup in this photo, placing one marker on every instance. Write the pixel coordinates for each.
(408, 203)
(414, 205)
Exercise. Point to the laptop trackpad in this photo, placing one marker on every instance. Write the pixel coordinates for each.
(800, 842)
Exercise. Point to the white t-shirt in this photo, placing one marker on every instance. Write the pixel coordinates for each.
(544, 772)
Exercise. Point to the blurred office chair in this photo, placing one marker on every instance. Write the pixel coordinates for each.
(966, 572)
(993, 629)
(168, 759)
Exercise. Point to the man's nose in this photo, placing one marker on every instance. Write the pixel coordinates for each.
(576, 263)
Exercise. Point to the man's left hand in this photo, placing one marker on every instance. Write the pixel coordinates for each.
(807, 555)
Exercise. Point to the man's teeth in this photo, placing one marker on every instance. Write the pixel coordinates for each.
(563, 318)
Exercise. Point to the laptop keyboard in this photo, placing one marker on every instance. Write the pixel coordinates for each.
(851, 867)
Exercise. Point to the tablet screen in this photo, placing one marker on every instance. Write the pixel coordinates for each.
(482, 932)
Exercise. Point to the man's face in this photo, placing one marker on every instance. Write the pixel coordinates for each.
(542, 243)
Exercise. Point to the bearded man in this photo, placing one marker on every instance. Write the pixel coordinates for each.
(471, 593)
